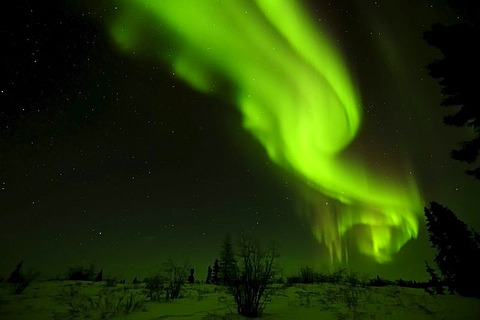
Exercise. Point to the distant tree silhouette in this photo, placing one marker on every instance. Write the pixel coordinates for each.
(19, 281)
(99, 276)
(209, 275)
(81, 273)
(16, 274)
(191, 277)
(456, 70)
(215, 272)
(228, 263)
(458, 253)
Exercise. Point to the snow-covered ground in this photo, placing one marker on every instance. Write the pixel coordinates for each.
(88, 300)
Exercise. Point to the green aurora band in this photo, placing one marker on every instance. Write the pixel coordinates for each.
(296, 97)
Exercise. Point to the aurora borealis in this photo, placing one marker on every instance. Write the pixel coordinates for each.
(152, 128)
(296, 97)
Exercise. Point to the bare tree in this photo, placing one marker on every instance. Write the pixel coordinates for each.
(175, 277)
(254, 285)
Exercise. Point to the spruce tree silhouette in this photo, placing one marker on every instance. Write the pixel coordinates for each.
(16, 276)
(458, 255)
(191, 277)
(435, 282)
(456, 70)
(228, 263)
(216, 271)
(209, 275)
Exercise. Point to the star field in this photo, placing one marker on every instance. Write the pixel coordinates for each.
(111, 157)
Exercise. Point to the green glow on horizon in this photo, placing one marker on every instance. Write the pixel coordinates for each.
(296, 97)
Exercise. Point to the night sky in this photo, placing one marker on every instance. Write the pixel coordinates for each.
(110, 157)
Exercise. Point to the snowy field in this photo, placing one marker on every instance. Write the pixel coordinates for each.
(94, 300)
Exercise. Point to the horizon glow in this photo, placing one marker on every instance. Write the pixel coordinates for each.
(297, 99)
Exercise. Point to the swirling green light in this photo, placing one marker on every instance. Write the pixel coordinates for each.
(297, 100)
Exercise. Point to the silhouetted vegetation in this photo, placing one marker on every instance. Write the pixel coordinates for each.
(154, 288)
(379, 282)
(458, 251)
(209, 275)
(215, 272)
(308, 275)
(191, 277)
(435, 285)
(456, 70)
(168, 284)
(341, 291)
(82, 273)
(111, 282)
(175, 276)
(349, 288)
(99, 276)
(107, 304)
(411, 284)
(18, 280)
(254, 286)
(227, 263)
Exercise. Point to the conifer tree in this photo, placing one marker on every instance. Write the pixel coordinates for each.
(228, 263)
(209, 275)
(460, 63)
(435, 282)
(16, 276)
(191, 277)
(215, 272)
(458, 255)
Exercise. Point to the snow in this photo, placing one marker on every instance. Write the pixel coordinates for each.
(56, 299)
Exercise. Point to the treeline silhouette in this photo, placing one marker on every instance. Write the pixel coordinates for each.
(458, 253)
(458, 71)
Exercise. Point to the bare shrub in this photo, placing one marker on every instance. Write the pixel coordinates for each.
(308, 275)
(168, 283)
(108, 303)
(154, 288)
(351, 290)
(254, 286)
(176, 277)
(337, 276)
(82, 273)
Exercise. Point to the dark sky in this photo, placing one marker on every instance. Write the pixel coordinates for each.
(107, 157)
